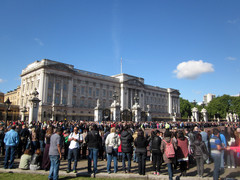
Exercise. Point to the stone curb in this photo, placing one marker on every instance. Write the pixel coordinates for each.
(102, 175)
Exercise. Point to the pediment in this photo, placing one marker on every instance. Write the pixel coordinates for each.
(60, 67)
(134, 82)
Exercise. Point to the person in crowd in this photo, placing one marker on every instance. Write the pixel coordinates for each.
(112, 141)
(107, 132)
(101, 147)
(55, 154)
(191, 136)
(231, 139)
(216, 147)
(46, 160)
(36, 161)
(135, 134)
(141, 144)
(24, 135)
(74, 139)
(84, 144)
(199, 149)
(93, 139)
(25, 160)
(205, 139)
(34, 140)
(224, 145)
(182, 152)
(156, 152)
(42, 134)
(126, 140)
(168, 148)
(2, 134)
(118, 131)
(66, 143)
(11, 141)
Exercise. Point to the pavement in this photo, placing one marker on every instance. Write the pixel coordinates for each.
(228, 174)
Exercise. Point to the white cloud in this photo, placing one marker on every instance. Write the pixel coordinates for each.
(233, 21)
(193, 69)
(1, 80)
(231, 58)
(39, 41)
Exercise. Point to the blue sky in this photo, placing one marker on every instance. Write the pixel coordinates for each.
(193, 46)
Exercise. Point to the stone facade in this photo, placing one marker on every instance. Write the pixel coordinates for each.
(67, 93)
(14, 96)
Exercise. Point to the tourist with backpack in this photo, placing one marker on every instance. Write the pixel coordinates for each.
(200, 153)
(182, 152)
(168, 147)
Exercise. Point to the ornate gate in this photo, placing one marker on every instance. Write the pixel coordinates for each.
(106, 113)
(126, 115)
(143, 116)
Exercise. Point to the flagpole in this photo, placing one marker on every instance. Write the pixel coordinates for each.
(121, 65)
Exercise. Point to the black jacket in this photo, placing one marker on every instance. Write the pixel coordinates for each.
(156, 144)
(141, 144)
(93, 139)
(126, 139)
(199, 148)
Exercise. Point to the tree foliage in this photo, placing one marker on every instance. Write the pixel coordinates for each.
(220, 105)
(185, 108)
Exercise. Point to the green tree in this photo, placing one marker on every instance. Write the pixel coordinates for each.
(220, 105)
(185, 108)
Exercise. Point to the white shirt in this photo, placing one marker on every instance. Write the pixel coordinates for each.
(73, 143)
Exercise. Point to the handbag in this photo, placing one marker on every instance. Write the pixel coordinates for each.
(109, 149)
(205, 157)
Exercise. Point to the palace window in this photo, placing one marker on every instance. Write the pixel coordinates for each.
(50, 85)
(74, 89)
(64, 87)
(82, 90)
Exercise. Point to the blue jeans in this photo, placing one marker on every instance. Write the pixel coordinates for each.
(135, 159)
(170, 171)
(217, 165)
(42, 144)
(54, 168)
(9, 154)
(113, 156)
(222, 159)
(92, 155)
(129, 161)
(72, 153)
(34, 146)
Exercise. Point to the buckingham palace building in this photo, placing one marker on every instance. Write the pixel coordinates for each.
(67, 93)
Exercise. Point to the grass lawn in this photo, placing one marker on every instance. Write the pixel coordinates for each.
(17, 176)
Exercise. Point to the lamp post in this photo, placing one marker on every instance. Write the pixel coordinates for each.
(24, 110)
(203, 104)
(7, 104)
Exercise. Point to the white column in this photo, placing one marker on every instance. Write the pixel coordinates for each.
(122, 97)
(61, 98)
(42, 87)
(169, 102)
(54, 93)
(70, 91)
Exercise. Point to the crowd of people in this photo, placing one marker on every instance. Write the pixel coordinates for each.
(182, 144)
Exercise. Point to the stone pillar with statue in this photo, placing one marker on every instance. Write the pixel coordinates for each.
(195, 114)
(34, 106)
(136, 109)
(98, 112)
(149, 117)
(115, 109)
(204, 114)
